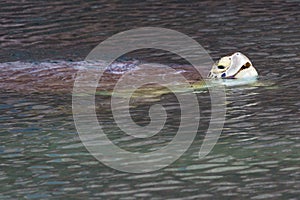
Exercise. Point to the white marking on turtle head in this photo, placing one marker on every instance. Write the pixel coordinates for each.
(235, 66)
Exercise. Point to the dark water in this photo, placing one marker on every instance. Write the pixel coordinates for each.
(257, 156)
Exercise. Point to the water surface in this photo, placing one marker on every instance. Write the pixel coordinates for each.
(257, 156)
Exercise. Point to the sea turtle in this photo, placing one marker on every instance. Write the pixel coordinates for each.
(232, 70)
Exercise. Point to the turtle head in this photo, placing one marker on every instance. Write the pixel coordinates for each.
(236, 66)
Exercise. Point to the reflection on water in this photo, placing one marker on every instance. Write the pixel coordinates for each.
(257, 156)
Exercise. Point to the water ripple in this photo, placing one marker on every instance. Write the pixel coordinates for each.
(257, 155)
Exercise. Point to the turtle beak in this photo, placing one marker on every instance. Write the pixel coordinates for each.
(210, 75)
(220, 67)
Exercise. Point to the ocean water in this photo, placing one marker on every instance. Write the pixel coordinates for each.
(41, 154)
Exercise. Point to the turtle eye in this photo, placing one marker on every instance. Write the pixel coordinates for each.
(245, 66)
(221, 67)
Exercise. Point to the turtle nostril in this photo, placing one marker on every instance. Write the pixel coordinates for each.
(223, 75)
(221, 67)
